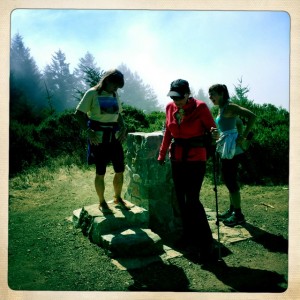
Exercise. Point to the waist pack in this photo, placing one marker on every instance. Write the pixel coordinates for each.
(108, 129)
(202, 141)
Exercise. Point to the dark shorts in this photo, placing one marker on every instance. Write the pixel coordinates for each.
(230, 173)
(103, 154)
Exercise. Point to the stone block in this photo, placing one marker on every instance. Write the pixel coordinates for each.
(131, 263)
(149, 184)
(94, 223)
(76, 217)
(133, 242)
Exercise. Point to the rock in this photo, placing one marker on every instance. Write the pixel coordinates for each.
(150, 185)
(133, 242)
(122, 232)
(94, 223)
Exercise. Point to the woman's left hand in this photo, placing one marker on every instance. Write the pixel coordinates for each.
(214, 133)
(122, 134)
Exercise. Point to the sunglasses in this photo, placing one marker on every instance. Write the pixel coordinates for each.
(176, 98)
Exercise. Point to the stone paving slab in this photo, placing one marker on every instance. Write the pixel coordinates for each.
(228, 235)
(124, 263)
(95, 223)
(132, 242)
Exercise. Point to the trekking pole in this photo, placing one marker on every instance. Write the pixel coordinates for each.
(217, 208)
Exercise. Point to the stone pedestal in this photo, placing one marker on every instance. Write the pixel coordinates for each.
(150, 185)
(121, 232)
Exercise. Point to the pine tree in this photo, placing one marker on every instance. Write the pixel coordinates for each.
(26, 93)
(60, 82)
(137, 94)
(204, 97)
(86, 75)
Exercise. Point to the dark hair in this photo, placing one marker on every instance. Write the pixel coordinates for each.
(220, 89)
(114, 76)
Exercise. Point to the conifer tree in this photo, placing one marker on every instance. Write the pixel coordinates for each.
(60, 82)
(26, 93)
(87, 74)
(137, 94)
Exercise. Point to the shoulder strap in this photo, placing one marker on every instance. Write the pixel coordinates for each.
(223, 108)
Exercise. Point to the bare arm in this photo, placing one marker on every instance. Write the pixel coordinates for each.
(239, 126)
(122, 134)
(82, 119)
(237, 111)
(250, 116)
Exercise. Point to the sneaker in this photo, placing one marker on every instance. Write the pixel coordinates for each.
(234, 220)
(225, 215)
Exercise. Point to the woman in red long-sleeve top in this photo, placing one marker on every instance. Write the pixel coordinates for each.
(187, 122)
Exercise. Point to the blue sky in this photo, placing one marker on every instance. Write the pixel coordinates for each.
(203, 47)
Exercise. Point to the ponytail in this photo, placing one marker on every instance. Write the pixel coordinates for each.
(220, 89)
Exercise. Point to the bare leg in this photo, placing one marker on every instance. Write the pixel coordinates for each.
(118, 184)
(100, 187)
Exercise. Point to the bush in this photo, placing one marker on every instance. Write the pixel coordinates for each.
(269, 152)
(156, 121)
(61, 133)
(24, 148)
(135, 119)
(57, 135)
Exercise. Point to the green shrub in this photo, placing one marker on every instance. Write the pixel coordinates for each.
(59, 135)
(135, 119)
(24, 147)
(269, 152)
(156, 120)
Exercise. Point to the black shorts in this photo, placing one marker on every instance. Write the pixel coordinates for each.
(102, 154)
(229, 168)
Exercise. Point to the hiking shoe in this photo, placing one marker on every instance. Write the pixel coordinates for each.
(234, 220)
(225, 215)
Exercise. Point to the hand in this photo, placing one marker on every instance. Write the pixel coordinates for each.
(122, 134)
(214, 133)
(93, 137)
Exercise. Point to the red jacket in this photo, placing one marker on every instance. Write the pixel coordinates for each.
(196, 121)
